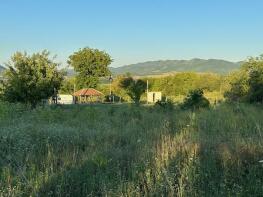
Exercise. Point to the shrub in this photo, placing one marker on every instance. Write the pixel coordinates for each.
(166, 105)
(246, 84)
(239, 87)
(109, 98)
(195, 100)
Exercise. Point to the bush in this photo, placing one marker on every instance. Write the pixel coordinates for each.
(239, 86)
(246, 84)
(109, 98)
(166, 105)
(195, 100)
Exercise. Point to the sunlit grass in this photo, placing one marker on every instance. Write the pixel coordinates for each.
(124, 150)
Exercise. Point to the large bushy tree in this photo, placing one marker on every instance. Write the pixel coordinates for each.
(31, 78)
(247, 83)
(238, 86)
(89, 64)
(134, 88)
(254, 68)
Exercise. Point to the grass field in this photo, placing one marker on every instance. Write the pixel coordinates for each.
(124, 150)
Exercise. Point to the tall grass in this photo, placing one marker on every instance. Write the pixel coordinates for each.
(123, 150)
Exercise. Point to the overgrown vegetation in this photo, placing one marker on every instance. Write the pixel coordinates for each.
(29, 79)
(134, 88)
(195, 100)
(124, 150)
(174, 87)
(246, 85)
(130, 150)
(182, 83)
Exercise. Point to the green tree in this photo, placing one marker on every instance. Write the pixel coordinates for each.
(134, 88)
(67, 86)
(89, 64)
(247, 83)
(238, 87)
(29, 79)
(254, 68)
(195, 100)
(117, 89)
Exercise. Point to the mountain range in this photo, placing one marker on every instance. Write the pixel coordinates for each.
(167, 66)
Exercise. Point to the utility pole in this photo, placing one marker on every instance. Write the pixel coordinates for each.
(74, 90)
(147, 91)
(110, 79)
(55, 96)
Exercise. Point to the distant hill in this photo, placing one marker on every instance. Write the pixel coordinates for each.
(1, 69)
(166, 66)
(70, 72)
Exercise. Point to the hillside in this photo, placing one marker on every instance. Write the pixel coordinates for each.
(166, 66)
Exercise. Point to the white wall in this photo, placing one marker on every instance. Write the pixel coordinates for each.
(153, 97)
(65, 99)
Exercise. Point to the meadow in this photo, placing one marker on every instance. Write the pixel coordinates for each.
(127, 150)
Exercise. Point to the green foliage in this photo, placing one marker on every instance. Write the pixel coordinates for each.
(89, 64)
(113, 98)
(195, 100)
(134, 88)
(247, 84)
(239, 86)
(254, 67)
(29, 79)
(117, 89)
(165, 105)
(67, 86)
(182, 83)
(176, 85)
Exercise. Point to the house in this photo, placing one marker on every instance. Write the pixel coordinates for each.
(153, 97)
(88, 95)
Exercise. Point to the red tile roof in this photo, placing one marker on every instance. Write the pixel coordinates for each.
(88, 92)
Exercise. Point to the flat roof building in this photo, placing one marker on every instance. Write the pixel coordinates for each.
(153, 97)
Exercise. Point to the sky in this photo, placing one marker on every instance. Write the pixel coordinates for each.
(133, 31)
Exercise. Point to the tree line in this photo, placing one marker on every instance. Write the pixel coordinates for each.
(246, 84)
(32, 78)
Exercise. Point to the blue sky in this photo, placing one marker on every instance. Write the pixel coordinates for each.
(133, 31)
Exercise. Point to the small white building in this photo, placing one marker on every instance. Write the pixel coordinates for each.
(66, 99)
(153, 97)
